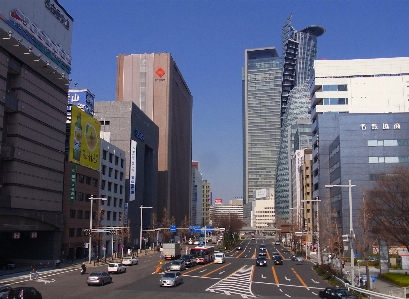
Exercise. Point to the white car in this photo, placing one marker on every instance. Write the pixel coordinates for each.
(190, 242)
(196, 242)
(116, 268)
(129, 261)
(219, 258)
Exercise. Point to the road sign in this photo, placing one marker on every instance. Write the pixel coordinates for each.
(173, 228)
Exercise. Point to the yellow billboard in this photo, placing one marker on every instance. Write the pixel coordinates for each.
(84, 139)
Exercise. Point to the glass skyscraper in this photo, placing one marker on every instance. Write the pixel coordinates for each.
(262, 76)
(299, 52)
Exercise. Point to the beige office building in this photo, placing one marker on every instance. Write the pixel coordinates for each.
(155, 84)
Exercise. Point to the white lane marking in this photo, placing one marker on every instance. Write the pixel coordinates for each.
(288, 279)
(314, 281)
(222, 272)
(262, 276)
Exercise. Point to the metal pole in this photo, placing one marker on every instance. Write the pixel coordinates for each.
(351, 237)
(90, 231)
(140, 232)
(318, 236)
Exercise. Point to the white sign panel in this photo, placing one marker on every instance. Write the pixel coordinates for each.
(132, 171)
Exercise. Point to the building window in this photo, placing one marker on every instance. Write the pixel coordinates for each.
(103, 170)
(115, 188)
(104, 154)
(80, 196)
(109, 215)
(88, 180)
(81, 178)
(121, 176)
(86, 215)
(103, 201)
(120, 202)
(72, 213)
(114, 216)
(79, 214)
(116, 160)
(115, 201)
(103, 184)
(119, 216)
(109, 186)
(87, 197)
(79, 232)
(109, 201)
(111, 157)
(116, 174)
(71, 232)
(120, 189)
(122, 163)
(95, 182)
(110, 172)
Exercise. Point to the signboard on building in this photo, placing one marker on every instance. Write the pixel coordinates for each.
(218, 201)
(73, 180)
(83, 99)
(132, 170)
(259, 193)
(126, 213)
(84, 139)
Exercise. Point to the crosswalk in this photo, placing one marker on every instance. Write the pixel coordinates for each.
(239, 283)
(43, 276)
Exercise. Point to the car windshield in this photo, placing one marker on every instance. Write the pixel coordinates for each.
(218, 255)
(95, 274)
(176, 263)
(113, 265)
(126, 258)
(169, 275)
(261, 259)
(342, 293)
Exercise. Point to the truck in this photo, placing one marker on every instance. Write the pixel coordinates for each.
(171, 251)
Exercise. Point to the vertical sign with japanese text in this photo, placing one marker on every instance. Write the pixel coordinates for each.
(73, 180)
(132, 171)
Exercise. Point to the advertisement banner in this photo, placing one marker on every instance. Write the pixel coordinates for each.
(218, 201)
(84, 139)
(83, 99)
(132, 171)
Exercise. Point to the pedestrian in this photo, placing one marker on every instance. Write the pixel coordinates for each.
(343, 264)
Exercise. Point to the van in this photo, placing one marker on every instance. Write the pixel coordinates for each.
(219, 258)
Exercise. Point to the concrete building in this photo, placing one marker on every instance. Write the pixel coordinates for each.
(154, 83)
(206, 199)
(196, 205)
(34, 83)
(359, 114)
(126, 127)
(262, 74)
(263, 214)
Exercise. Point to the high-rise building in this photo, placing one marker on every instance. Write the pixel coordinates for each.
(206, 199)
(156, 85)
(196, 205)
(34, 70)
(261, 119)
(299, 53)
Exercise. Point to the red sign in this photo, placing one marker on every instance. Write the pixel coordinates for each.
(218, 201)
(160, 72)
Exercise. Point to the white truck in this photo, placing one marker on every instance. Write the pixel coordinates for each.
(171, 251)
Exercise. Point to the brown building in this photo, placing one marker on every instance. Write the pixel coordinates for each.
(155, 84)
(33, 103)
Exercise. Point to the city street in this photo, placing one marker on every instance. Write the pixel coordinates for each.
(238, 277)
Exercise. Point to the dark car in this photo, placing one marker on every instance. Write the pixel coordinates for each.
(99, 278)
(24, 292)
(336, 293)
(277, 243)
(261, 261)
(262, 253)
(239, 248)
(262, 247)
(4, 291)
(278, 260)
(6, 264)
(190, 260)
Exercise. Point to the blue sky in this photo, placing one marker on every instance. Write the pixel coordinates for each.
(207, 40)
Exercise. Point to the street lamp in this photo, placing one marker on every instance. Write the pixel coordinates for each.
(318, 229)
(140, 233)
(351, 228)
(90, 226)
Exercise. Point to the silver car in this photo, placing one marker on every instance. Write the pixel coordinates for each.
(177, 265)
(99, 278)
(129, 261)
(171, 279)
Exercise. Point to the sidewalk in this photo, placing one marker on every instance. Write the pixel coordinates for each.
(379, 285)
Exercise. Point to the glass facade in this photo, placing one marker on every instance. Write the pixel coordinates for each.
(261, 119)
(299, 53)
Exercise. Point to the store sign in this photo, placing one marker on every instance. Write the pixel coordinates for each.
(139, 135)
(385, 126)
(132, 171)
(126, 213)
(73, 182)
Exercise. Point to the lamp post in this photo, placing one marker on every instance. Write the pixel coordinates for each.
(318, 229)
(91, 199)
(351, 228)
(140, 233)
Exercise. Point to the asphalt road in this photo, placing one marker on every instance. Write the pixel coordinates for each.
(238, 277)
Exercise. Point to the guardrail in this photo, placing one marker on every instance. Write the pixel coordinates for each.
(372, 294)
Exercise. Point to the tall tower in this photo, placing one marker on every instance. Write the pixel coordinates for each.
(261, 119)
(155, 84)
(299, 53)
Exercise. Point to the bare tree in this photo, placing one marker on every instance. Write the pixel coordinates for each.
(166, 222)
(387, 206)
(184, 231)
(230, 221)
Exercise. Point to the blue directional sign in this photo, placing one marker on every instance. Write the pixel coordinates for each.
(209, 228)
(173, 228)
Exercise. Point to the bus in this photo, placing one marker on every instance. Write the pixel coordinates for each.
(204, 254)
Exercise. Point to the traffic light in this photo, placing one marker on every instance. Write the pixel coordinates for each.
(112, 231)
(86, 231)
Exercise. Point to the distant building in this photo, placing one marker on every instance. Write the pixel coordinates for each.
(262, 214)
(196, 205)
(262, 75)
(155, 84)
(206, 199)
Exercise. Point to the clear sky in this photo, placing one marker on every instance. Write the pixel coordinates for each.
(207, 39)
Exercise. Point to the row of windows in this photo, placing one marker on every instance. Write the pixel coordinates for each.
(117, 174)
(335, 87)
(333, 167)
(334, 151)
(87, 180)
(109, 200)
(398, 142)
(103, 186)
(389, 159)
(82, 196)
(79, 213)
(112, 157)
(335, 101)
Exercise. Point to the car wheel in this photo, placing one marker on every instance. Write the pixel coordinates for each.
(102, 282)
(89, 285)
(125, 270)
(110, 281)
